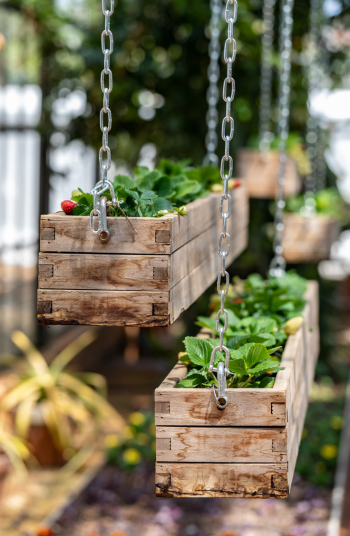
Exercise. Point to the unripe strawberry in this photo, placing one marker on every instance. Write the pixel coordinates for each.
(68, 205)
(292, 325)
(44, 531)
(75, 193)
(234, 183)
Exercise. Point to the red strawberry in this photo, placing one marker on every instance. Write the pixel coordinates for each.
(67, 206)
(236, 183)
(44, 531)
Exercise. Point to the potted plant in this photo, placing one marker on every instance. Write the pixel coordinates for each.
(161, 254)
(13, 452)
(54, 410)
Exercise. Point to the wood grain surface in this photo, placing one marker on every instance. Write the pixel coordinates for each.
(260, 173)
(308, 239)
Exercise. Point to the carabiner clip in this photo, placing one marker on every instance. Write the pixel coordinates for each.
(222, 371)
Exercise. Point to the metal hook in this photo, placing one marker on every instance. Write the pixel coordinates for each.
(222, 371)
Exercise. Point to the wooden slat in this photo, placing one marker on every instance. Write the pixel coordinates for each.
(191, 287)
(256, 481)
(260, 173)
(104, 272)
(308, 239)
(160, 236)
(99, 308)
(240, 445)
(197, 407)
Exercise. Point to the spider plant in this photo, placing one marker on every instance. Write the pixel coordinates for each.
(13, 447)
(67, 402)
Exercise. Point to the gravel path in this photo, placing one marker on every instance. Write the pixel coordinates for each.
(123, 504)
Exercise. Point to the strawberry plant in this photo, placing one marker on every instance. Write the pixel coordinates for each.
(259, 318)
(166, 189)
(327, 202)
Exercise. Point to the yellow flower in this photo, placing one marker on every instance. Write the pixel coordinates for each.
(137, 418)
(132, 456)
(292, 325)
(152, 429)
(142, 439)
(111, 441)
(336, 422)
(127, 432)
(329, 451)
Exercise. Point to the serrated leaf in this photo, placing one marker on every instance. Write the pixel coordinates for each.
(237, 366)
(240, 352)
(267, 383)
(148, 194)
(133, 194)
(266, 366)
(124, 181)
(273, 350)
(163, 187)
(262, 325)
(255, 354)
(161, 204)
(194, 381)
(199, 350)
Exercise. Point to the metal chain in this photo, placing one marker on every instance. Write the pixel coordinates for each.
(265, 134)
(225, 211)
(278, 263)
(212, 116)
(313, 73)
(100, 204)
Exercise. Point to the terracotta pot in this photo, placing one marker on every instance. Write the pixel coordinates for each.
(41, 442)
(5, 466)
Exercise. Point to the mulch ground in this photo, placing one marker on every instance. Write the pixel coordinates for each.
(117, 503)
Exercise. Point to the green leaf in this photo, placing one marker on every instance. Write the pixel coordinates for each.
(266, 366)
(141, 171)
(135, 195)
(267, 382)
(199, 350)
(238, 366)
(148, 194)
(240, 352)
(79, 210)
(124, 181)
(273, 350)
(263, 324)
(161, 204)
(205, 322)
(163, 187)
(255, 354)
(193, 381)
(184, 187)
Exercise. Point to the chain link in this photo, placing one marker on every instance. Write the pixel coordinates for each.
(278, 263)
(100, 204)
(212, 117)
(265, 134)
(316, 178)
(225, 201)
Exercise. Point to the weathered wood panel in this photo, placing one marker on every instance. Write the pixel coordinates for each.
(100, 308)
(72, 234)
(241, 445)
(246, 481)
(260, 173)
(257, 427)
(103, 272)
(308, 239)
(191, 287)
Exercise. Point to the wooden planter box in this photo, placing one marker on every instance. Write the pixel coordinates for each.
(147, 278)
(260, 172)
(308, 239)
(247, 450)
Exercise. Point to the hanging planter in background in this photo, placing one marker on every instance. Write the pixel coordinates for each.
(259, 171)
(308, 239)
(249, 449)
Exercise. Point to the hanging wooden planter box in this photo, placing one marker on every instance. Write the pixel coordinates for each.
(249, 449)
(260, 173)
(147, 278)
(308, 239)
